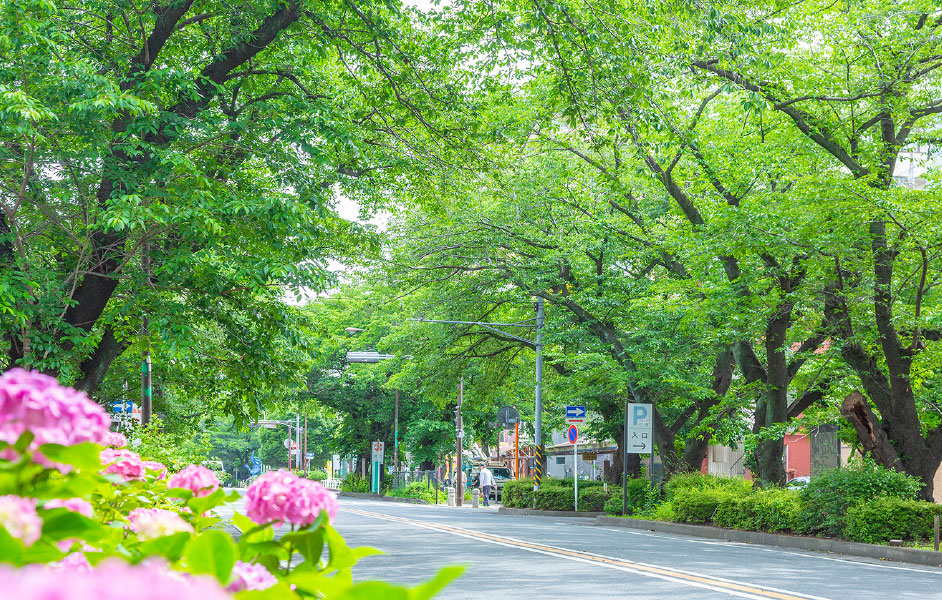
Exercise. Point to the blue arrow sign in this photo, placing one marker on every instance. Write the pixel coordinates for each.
(575, 412)
(122, 406)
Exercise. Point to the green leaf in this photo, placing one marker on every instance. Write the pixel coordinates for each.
(211, 552)
(60, 524)
(84, 456)
(242, 522)
(309, 543)
(279, 591)
(168, 546)
(11, 549)
(343, 556)
(432, 587)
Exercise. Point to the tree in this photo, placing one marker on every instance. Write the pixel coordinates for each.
(181, 163)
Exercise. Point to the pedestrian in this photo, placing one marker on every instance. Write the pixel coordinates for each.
(487, 482)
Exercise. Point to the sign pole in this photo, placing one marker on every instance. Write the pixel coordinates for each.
(575, 474)
(517, 450)
(624, 465)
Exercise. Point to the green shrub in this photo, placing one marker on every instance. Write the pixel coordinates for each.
(316, 475)
(760, 510)
(554, 498)
(697, 481)
(640, 497)
(884, 519)
(663, 511)
(698, 505)
(418, 490)
(516, 494)
(354, 483)
(827, 497)
(594, 499)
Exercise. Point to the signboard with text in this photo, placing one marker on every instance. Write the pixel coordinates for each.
(640, 430)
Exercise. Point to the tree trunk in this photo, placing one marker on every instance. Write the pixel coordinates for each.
(924, 455)
(614, 475)
(95, 367)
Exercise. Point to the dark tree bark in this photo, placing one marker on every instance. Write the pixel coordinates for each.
(95, 367)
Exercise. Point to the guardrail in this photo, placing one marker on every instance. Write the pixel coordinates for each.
(331, 484)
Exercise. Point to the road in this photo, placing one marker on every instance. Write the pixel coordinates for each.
(544, 557)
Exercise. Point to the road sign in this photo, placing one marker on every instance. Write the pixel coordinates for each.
(289, 443)
(122, 406)
(590, 456)
(573, 434)
(309, 456)
(378, 449)
(640, 432)
(507, 417)
(377, 461)
(575, 414)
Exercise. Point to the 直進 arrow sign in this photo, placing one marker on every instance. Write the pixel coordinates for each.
(575, 414)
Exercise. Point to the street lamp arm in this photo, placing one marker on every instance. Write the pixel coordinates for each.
(489, 327)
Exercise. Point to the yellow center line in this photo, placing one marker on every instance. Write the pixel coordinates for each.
(698, 580)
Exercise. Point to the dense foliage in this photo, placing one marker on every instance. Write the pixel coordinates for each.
(89, 509)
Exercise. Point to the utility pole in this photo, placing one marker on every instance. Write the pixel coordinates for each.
(297, 437)
(396, 441)
(459, 487)
(307, 465)
(538, 408)
(146, 381)
(538, 346)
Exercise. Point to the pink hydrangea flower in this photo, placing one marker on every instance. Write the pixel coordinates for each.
(18, 516)
(83, 507)
(55, 414)
(111, 580)
(282, 497)
(249, 576)
(113, 439)
(76, 561)
(153, 465)
(126, 463)
(150, 523)
(197, 478)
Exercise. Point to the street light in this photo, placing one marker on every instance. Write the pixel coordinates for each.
(373, 358)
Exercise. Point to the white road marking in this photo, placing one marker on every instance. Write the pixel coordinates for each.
(688, 578)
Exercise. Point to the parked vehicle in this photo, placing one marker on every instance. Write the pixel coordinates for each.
(797, 483)
(501, 475)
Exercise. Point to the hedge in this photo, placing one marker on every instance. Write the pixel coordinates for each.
(554, 494)
(829, 495)
(883, 519)
(640, 496)
(761, 510)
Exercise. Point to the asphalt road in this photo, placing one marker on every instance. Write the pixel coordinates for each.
(523, 557)
(546, 557)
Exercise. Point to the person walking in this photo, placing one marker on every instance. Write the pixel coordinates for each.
(487, 482)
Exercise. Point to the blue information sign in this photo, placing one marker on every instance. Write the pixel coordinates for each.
(575, 414)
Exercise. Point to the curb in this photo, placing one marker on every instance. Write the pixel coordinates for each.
(368, 496)
(547, 513)
(915, 556)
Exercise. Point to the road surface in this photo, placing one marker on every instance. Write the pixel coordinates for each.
(523, 557)
(545, 557)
